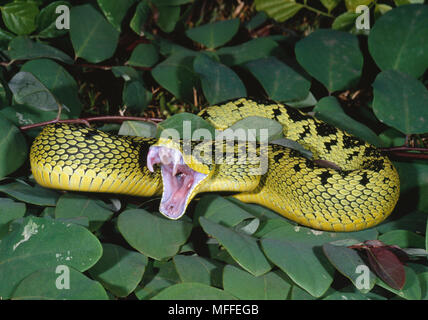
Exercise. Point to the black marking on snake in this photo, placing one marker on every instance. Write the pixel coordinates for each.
(374, 165)
(352, 142)
(295, 154)
(324, 177)
(329, 144)
(90, 134)
(296, 115)
(239, 105)
(204, 114)
(352, 155)
(144, 151)
(344, 173)
(364, 179)
(278, 156)
(310, 164)
(276, 113)
(324, 129)
(297, 168)
(307, 131)
(371, 152)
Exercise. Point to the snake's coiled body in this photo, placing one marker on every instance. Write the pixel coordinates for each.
(359, 195)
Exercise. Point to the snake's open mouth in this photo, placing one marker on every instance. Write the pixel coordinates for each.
(178, 179)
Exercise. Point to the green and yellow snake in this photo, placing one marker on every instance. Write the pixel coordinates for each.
(359, 194)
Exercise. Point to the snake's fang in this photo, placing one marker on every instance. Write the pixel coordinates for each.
(179, 180)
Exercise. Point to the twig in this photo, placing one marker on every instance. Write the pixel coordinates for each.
(404, 148)
(410, 155)
(86, 121)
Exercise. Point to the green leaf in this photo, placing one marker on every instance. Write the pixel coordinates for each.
(245, 286)
(115, 10)
(27, 89)
(297, 259)
(215, 34)
(397, 40)
(42, 243)
(192, 291)
(279, 10)
(330, 4)
(413, 221)
(13, 148)
(93, 38)
(168, 17)
(256, 21)
(220, 210)
(332, 57)
(297, 251)
(299, 294)
(400, 101)
(345, 21)
(59, 82)
(351, 5)
(219, 83)
(72, 205)
(34, 195)
(185, 124)
(142, 13)
(243, 248)
(176, 75)
(347, 262)
(403, 239)
(21, 115)
(329, 110)
(127, 73)
(256, 210)
(153, 235)
(20, 17)
(119, 270)
(21, 48)
(198, 269)
(9, 211)
(280, 82)
(411, 289)
(309, 101)
(144, 55)
(41, 285)
(135, 96)
(423, 279)
(172, 2)
(381, 9)
(246, 52)
(413, 185)
(392, 138)
(338, 295)
(253, 126)
(138, 129)
(5, 38)
(46, 20)
(158, 276)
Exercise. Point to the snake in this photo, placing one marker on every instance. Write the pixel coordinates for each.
(358, 192)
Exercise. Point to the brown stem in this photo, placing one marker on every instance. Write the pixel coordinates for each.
(404, 148)
(410, 155)
(91, 119)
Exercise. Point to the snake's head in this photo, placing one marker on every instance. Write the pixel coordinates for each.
(180, 182)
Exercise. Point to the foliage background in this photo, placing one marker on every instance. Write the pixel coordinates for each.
(168, 59)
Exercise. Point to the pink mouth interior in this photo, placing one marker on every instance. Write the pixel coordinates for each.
(178, 180)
